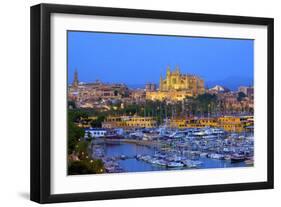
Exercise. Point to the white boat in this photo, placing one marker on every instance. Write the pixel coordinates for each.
(137, 134)
(216, 156)
(217, 131)
(209, 132)
(179, 135)
(199, 133)
(173, 134)
(191, 163)
(160, 163)
(209, 136)
(203, 154)
(175, 164)
(150, 136)
(145, 158)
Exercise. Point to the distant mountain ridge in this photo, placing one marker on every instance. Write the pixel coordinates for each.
(219, 88)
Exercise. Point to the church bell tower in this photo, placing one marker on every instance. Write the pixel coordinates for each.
(75, 80)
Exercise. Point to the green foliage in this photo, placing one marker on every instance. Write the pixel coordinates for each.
(71, 104)
(200, 105)
(203, 104)
(74, 115)
(115, 93)
(74, 132)
(98, 122)
(82, 146)
(79, 147)
(85, 167)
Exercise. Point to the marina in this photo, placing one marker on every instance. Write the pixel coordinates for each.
(169, 118)
(158, 149)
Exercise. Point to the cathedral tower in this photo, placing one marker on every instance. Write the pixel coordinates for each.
(161, 83)
(168, 77)
(75, 80)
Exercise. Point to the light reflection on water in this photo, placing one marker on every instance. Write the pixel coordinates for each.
(134, 165)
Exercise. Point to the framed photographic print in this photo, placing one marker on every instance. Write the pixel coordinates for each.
(133, 103)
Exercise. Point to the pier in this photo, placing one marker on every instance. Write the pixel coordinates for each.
(179, 150)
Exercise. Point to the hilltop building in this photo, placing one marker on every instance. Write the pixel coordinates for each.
(86, 94)
(177, 86)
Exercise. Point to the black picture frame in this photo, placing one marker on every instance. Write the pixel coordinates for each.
(41, 95)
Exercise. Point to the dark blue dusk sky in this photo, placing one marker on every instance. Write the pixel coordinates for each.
(137, 59)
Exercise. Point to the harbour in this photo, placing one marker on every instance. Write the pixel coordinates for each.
(178, 124)
(158, 150)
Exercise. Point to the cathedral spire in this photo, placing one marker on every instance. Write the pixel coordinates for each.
(168, 70)
(177, 69)
(160, 83)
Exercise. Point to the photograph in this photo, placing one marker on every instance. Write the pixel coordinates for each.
(147, 102)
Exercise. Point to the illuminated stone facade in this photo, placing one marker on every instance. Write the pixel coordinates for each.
(90, 95)
(177, 86)
(129, 122)
(228, 123)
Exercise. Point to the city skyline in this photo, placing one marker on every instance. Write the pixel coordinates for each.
(95, 55)
(176, 125)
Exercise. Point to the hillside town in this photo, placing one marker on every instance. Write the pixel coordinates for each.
(177, 123)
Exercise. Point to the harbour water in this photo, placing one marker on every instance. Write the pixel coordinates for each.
(132, 164)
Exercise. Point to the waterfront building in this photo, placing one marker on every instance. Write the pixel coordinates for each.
(201, 122)
(142, 122)
(129, 122)
(94, 133)
(178, 122)
(247, 121)
(114, 122)
(231, 123)
(208, 122)
(177, 86)
(228, 123)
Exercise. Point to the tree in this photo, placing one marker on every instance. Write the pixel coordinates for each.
(97, 123)
(71, 104)
(74, 132)
(115, 93)
(80, 147)
(203, 104)
(85, 167)
(241, 96)
(75, 115)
